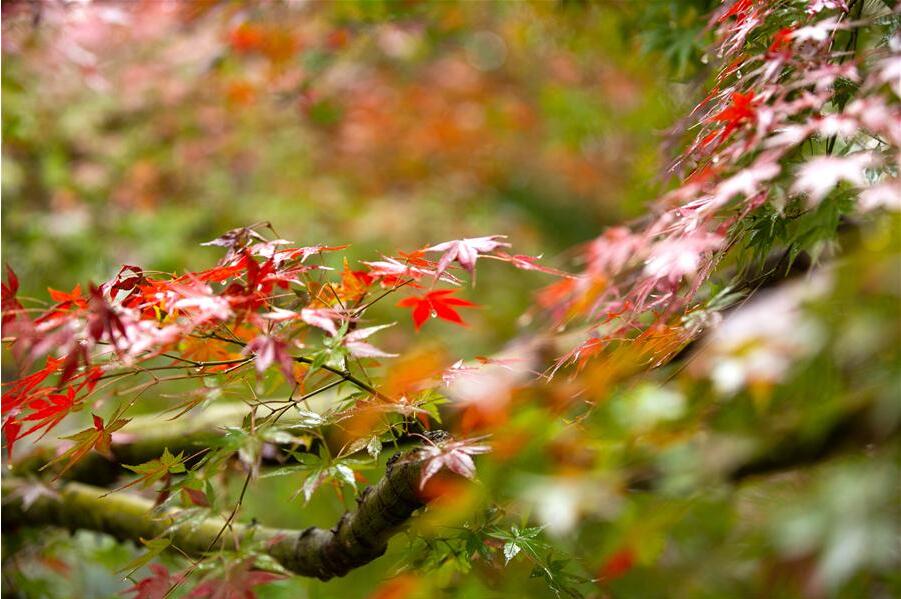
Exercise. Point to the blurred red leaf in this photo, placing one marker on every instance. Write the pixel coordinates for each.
(617, 564)
(155, 586)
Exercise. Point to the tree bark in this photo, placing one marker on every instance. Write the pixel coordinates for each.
(358, 538)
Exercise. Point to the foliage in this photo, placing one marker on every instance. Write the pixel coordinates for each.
(702, 401)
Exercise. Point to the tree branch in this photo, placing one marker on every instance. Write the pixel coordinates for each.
(854, 431)
(357, 539)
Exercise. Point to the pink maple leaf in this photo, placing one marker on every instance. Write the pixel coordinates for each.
(456, 456)
(323, 318)
(672, 259)
(268, 351)
(819, 175)
(353, 341)
(466, 251)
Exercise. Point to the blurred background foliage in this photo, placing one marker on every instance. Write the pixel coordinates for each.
(133, 133)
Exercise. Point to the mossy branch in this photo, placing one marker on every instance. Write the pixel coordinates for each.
(358, 538)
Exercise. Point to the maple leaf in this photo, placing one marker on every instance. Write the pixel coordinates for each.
(886, 195)
(819, 175)
(197, 497)
(217, 274)
(283, 278)
(154, 470)
(737, 9)
(73, 298)
(672, 259)
(131, 281)
(235, 240)
(271, 250)
(25, 389)
(391, 272)
(260, 280)
(270, 350)
(236, 583)
(99, 437)
(747, 181)
(617, 564)
(524, 262)
(781, 46)
(65, 302)
(609, 253)
(78, 355)
(435, 304)
(818, 32)
(815, 6)
(207, 350)
(324, 318)
(104, 433)
(354, 343)
(128, 278)
(456, 456)
(11, 429)
(413, 266)
(741, 109)
(198, 300)
(50, 411)
(157, 585)
(305, 252)
(10, 305)
(354, 285)
(104, 321)
(280, 315)
(466, 251)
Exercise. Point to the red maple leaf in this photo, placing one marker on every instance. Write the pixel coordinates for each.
(129, 280)
(217, 274)
(435, 304)
(10, 305)
(50, 411)
(22, 391)
(64, 303)
(781, 45)
(416, 258)
(66, 300)
(617, 564)
(236, 583)
(11, 429)
(157, 585)
(740, 9)
(48, 408)
(741, 109)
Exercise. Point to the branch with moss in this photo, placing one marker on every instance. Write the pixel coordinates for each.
(358, 538)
